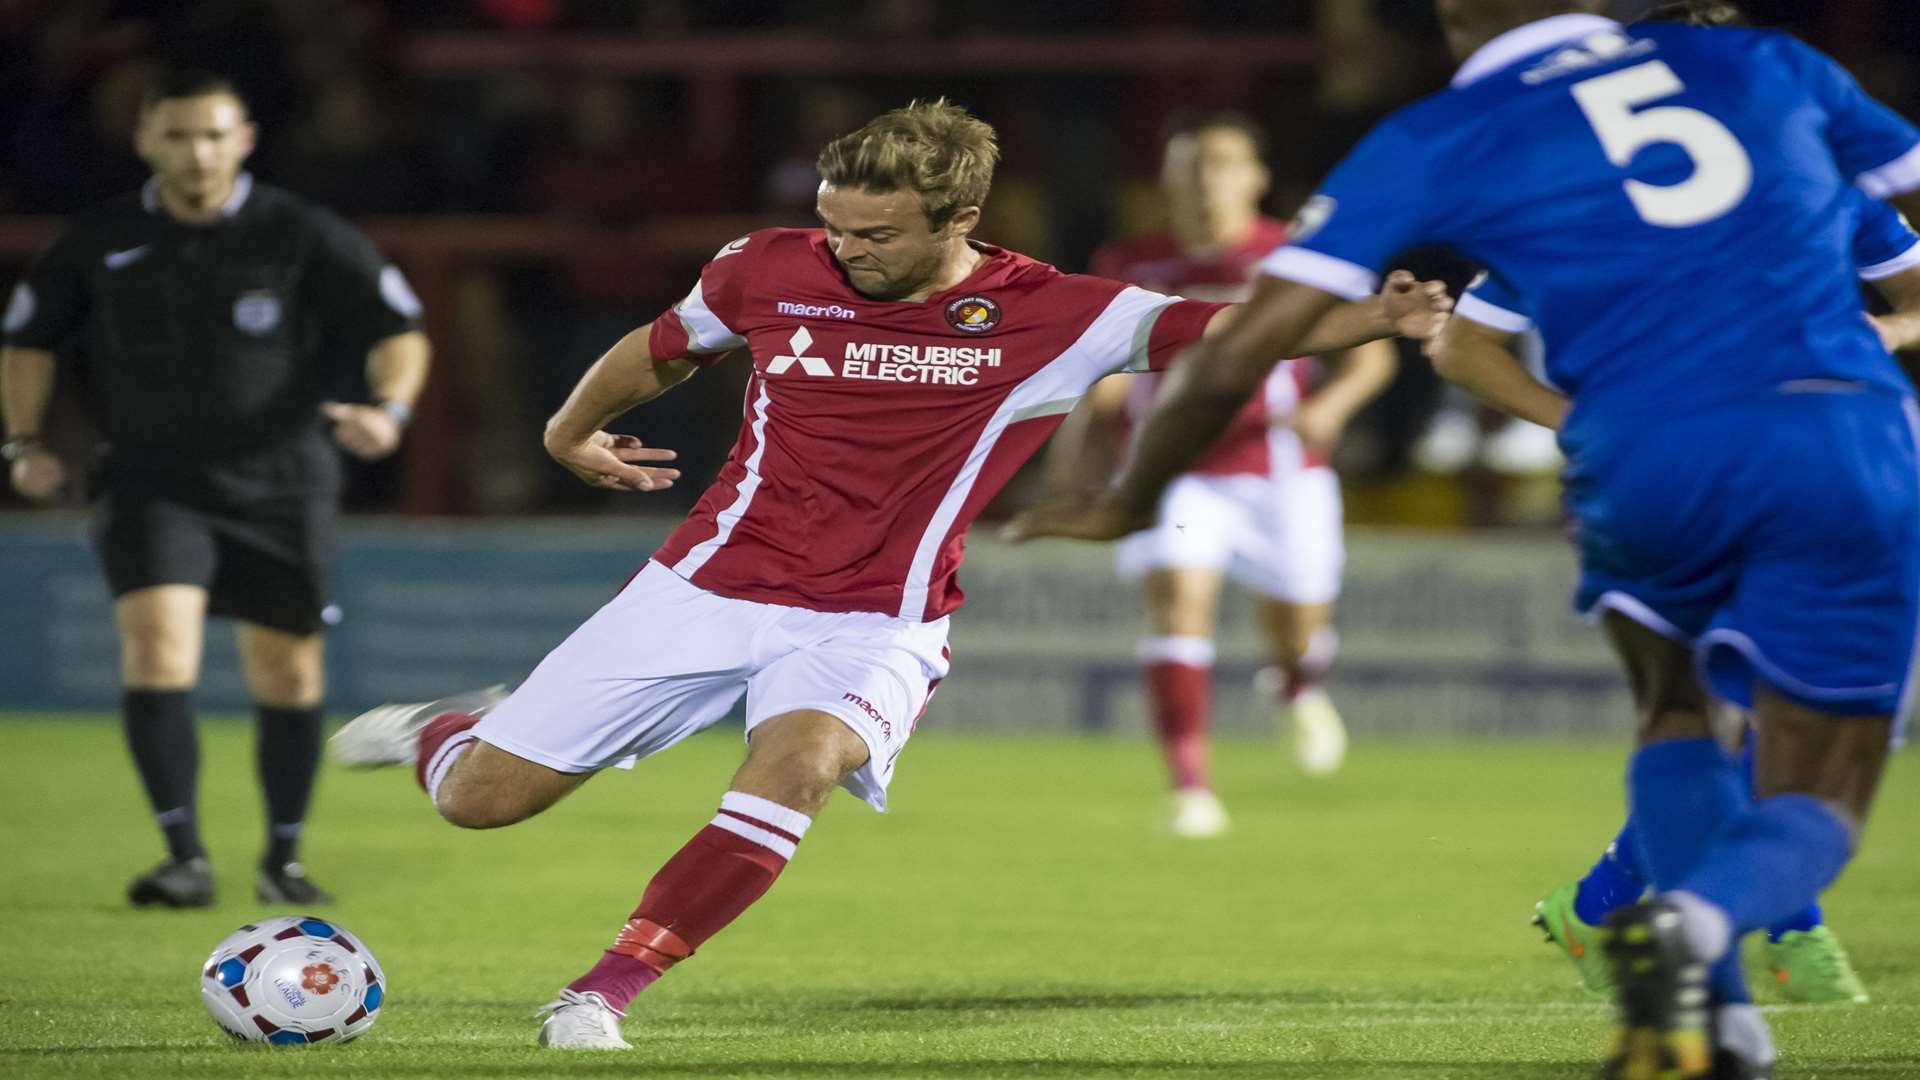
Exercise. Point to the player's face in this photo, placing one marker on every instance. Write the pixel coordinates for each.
(882, 241)
(1214, 173)
(196, 145)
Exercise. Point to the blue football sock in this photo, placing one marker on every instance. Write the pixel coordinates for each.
(1772, 861)
(1683, 792)
(1727, 981)
(1807, 918)
(1613, 883)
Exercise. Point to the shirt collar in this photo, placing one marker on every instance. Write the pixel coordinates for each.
(1524, 41)
(242, 188)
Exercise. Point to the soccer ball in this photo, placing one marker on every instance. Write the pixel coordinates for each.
(293, 980)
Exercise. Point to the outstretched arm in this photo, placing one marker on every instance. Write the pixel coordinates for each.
(1086, 450)
(626, 376)
(1479, 359)
(1900, 329)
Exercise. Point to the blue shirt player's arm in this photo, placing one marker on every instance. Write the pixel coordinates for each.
(1874, 147)
(1887, 252)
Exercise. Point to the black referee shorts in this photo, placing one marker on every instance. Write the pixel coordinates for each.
(264, 562)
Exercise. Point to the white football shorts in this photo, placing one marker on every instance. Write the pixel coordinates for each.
(665, 659)
(1280, 536)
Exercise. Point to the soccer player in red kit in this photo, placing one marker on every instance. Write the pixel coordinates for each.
(901, 373)
(1261, 507)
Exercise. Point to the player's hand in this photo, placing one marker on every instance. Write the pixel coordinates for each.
(1075, 516)
(614, 462)
(38, 475)
(365, 431)
(1319, 425)
(1417, 309)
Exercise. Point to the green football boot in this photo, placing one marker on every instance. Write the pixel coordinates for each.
(1810, 967)
(1555, 917)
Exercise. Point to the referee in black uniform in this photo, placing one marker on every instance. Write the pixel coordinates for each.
(205, 309)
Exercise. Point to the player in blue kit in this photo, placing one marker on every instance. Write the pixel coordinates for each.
(1741, 450)
(1804, 957)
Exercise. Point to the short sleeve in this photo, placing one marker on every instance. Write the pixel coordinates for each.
(1167, 332)
(49, 305)
(1370, 209)
(1870, 142)
(361, 297)
(1491, 301)
(701, 327)
(1883, 243)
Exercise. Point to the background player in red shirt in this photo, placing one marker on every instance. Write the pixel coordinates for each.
(901, 373)
(1262, 506)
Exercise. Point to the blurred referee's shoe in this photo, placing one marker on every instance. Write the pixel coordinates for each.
(1662, 1028)
(1811, 968)
(1197, 813)
(386, 734)
(176, 883)
(288, 883)
(1555, 916)
(581, 1021)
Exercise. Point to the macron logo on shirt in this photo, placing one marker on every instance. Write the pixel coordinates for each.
(815, 311)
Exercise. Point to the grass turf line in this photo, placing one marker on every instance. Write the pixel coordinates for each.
(1017, 915)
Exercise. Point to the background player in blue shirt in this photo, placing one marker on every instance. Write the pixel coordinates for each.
(1476, 350)
(1741, 451)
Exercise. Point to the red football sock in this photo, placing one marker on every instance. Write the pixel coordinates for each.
(1179, 677)
(1310, 671)
(440, 743)
(705, 885)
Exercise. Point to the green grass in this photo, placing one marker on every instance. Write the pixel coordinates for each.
(1016, 916)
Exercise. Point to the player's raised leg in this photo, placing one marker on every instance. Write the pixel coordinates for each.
(1176, 665)
(794, 761)
(161, 630)
(285, 673)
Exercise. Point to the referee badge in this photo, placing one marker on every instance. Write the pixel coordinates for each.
(256, 312)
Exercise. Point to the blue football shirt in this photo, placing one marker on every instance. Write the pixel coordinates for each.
(1883, 245)
(1673, 201)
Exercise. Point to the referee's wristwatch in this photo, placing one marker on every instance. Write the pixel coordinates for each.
(20, 446)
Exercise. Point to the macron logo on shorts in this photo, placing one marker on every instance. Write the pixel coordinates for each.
(865, 706)
(799, 343)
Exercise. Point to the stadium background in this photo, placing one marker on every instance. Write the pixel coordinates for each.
(551, 173)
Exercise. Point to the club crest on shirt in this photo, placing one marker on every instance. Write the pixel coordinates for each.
(256, 312)
(973, 314)
(1311, 217)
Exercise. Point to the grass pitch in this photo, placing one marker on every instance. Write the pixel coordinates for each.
(1018, 915)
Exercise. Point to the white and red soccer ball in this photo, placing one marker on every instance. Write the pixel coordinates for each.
(293, 980)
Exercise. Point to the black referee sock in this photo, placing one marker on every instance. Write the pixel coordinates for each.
(159, 727)
(287, 750)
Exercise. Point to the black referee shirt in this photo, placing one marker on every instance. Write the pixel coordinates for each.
(208, 349)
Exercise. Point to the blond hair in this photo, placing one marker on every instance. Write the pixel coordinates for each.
(935, 149)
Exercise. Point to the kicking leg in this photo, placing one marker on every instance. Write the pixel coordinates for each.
(1176, 663)
(161, 630)
(794, 761)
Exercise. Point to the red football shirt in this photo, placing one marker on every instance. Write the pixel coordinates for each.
(1257, 442)
(876, 430)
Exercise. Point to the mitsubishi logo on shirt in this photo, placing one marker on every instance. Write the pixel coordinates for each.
(799, 343)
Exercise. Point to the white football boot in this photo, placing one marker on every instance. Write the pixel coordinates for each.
(581, 1021)
(1197, 813)
(1318, 734)
(386, 734)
